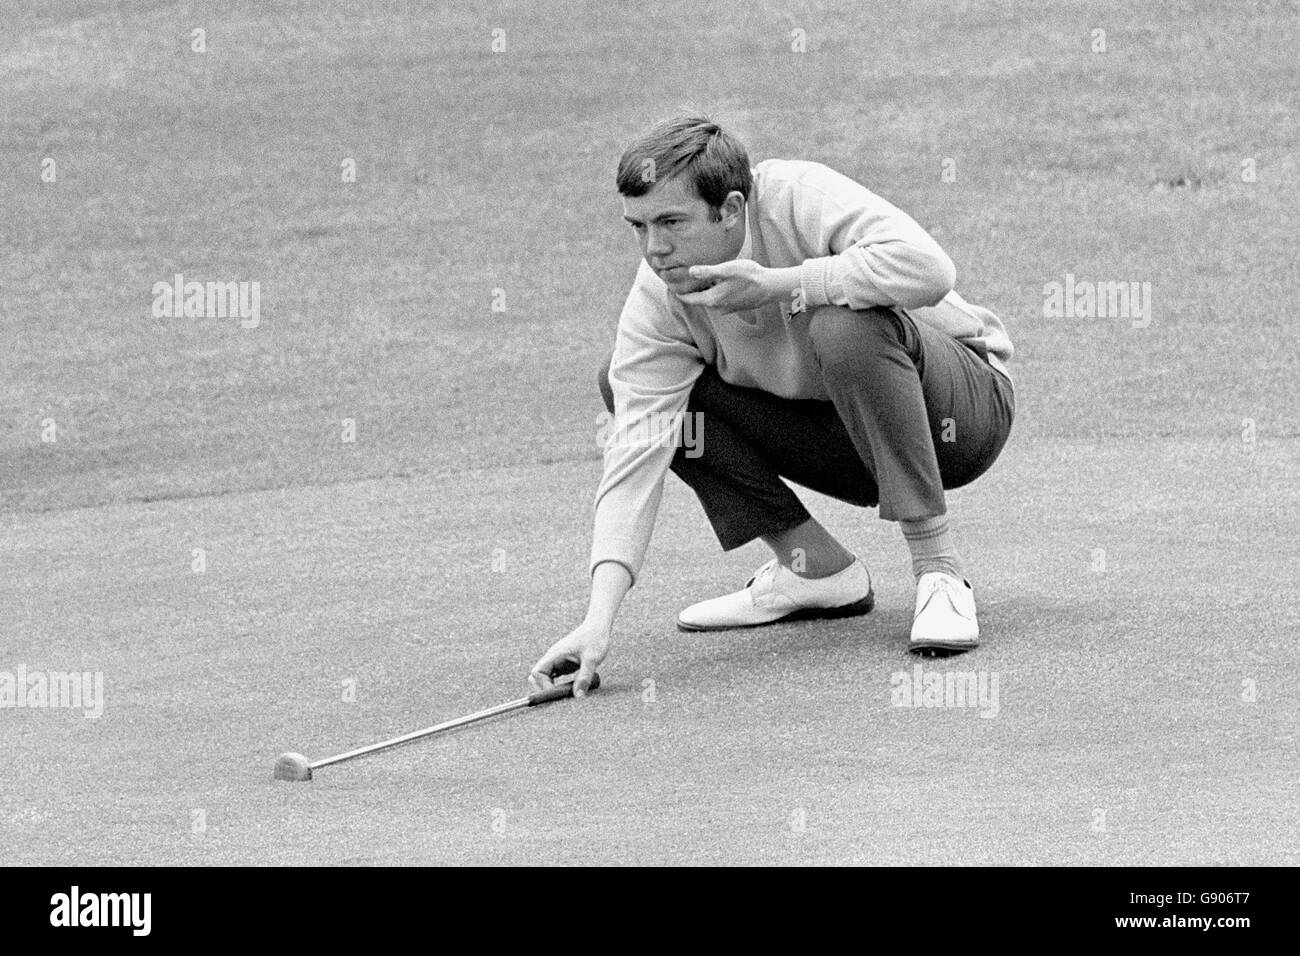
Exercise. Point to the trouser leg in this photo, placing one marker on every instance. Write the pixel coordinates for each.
(925, 412)
(912, 412)
(747, 438)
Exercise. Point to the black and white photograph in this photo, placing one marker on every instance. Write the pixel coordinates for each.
(650, 433)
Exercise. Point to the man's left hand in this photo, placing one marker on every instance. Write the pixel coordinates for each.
(738, 286)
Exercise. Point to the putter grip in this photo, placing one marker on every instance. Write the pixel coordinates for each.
(558, 692)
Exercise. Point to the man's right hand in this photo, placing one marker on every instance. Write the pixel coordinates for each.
(586, 645)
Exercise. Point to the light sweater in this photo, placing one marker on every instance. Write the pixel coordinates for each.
(853, 249)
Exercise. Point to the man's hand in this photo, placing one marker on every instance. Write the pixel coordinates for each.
(741, 285)
(586, 646)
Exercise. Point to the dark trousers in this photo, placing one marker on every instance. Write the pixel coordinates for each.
(912, 412)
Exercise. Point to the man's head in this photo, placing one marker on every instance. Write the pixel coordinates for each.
(684, 185)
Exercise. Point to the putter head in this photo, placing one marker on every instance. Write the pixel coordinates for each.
(292, 766)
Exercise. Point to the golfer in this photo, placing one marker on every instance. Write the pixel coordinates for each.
(796, 326)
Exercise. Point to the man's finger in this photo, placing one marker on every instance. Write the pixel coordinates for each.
(554, 664)
(721, 270)
(540, 676)
(582, 683)
(706, 297)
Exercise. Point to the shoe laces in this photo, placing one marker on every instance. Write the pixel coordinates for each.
(764, 575)
(941, 582)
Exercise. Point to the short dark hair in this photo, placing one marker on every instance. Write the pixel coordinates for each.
(714, 161)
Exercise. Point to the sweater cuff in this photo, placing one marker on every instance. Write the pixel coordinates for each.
(619, 550)
(812, 282)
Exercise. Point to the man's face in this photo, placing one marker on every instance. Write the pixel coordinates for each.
(677, 229)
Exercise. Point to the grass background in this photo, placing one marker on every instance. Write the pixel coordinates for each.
(374, 561)
(480, 171)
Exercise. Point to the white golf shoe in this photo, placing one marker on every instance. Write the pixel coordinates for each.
(945, 614)
(775, 593)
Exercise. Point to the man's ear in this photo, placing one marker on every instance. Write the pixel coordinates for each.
(732, 210)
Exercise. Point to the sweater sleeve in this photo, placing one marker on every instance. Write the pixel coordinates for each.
(655, 365)
(864, 251)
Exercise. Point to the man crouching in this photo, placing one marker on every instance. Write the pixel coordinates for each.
(815, 329)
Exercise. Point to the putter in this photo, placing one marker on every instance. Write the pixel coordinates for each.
(294, 766)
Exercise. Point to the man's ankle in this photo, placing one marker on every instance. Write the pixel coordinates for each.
(950, 568)
(815, 567)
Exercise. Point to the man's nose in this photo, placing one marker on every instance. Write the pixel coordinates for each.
(657, 244)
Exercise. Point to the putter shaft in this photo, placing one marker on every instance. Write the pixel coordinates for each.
(417, 734)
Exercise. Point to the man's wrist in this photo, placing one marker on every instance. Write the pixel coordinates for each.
(601, 617)
(782, 284)
(610, 581)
